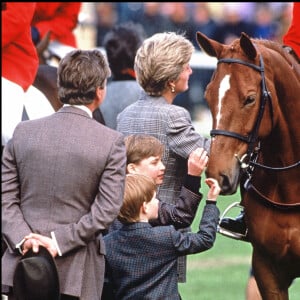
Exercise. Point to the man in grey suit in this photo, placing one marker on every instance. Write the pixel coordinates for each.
(63, 181)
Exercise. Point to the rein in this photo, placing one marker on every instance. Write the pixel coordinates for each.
(268, 202)
(252, 138)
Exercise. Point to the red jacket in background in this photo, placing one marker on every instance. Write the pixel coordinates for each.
(19, 57)
(59, 17)
(292, 37)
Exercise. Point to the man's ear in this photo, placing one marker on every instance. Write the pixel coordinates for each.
(100, 94)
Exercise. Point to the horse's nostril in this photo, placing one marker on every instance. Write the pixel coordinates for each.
(225, 185)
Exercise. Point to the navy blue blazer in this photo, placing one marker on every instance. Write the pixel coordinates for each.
(141, 260)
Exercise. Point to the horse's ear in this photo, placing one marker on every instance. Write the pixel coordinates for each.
(209, 46)
(247, 46)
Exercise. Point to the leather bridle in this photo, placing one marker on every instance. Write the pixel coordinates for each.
(252, 139)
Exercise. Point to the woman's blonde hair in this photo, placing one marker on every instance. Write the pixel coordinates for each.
(161, 58)
(138, 189)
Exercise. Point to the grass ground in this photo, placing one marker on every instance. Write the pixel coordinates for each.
(221, 273)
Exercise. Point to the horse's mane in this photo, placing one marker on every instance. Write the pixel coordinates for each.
(275, 46)
(271, 45)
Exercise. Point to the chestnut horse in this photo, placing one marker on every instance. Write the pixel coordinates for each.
(254, 99)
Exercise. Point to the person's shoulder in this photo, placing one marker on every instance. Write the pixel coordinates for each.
(25, 125)
(122, 83)
(111, 236)
(104, 133)
(31, 126)
(35, 122)
(122, 89)
(107, 131)
(179, 108)
(130, 107)
(177, 111)
(165, 234)
(165, 230)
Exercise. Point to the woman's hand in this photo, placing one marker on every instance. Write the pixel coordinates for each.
(197, 162)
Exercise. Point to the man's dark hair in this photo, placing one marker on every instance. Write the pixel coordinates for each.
(80, 73)
(121, 44)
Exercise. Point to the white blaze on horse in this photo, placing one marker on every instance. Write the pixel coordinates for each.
(254, 100)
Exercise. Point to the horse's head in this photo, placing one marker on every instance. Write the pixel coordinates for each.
(234, 98)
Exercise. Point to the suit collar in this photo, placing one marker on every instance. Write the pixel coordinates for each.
(74, 110)
(134, 226)
(82, 107)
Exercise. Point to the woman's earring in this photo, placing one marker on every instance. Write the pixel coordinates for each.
(172, 89)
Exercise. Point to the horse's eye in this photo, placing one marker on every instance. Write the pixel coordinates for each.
(249, 100)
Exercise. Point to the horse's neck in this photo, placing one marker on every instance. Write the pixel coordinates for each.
(286, 104)
(279, 185)
(282, 147)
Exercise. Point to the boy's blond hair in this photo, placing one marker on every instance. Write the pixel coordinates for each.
(141, 146)
(138, 189)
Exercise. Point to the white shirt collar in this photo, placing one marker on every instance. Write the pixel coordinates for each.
(83, 107)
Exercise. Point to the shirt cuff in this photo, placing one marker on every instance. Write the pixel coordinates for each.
(55, 243)
(192, 183)
(19, 246)
(211, 202)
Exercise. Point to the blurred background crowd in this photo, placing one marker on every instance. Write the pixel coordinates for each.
(219, 20)
(222, 21)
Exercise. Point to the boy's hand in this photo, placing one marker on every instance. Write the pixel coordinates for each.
(214, 189)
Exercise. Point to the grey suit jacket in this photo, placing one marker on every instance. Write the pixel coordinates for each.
(63, 173)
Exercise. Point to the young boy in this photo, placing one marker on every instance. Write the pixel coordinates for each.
(141, 259)
(144, 156)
